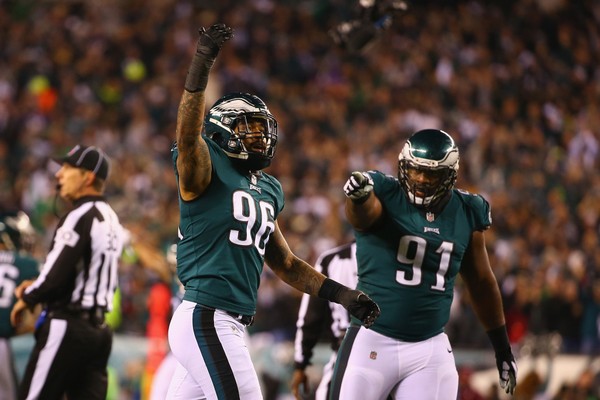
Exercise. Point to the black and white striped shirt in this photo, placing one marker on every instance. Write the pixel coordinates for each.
(80, 271)
(317, 316)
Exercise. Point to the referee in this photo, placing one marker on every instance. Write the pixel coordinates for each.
(76, 286)
(319, 318)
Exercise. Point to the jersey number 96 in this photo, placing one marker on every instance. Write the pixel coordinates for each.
(245, 209)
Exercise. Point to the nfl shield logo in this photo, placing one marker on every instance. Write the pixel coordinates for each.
(430, 217)
(373, 355)
(253, 179)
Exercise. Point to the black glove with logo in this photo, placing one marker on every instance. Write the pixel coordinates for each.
(358, 304)
(209, 43)
(505, 361)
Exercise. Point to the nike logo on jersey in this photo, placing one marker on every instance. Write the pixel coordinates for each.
(429, 229)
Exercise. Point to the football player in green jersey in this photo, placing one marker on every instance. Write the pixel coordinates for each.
(414, 234)
(227, 231)
(17, 236)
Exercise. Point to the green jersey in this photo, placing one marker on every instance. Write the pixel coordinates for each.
(408, 262)
(14, 269)
(223, 234)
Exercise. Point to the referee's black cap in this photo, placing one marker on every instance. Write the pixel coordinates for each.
(90, 158)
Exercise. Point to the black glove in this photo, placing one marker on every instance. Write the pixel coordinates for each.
(505, 361)
(358, 187)
(363, 308)
(209, 43)
(356, 302)
(507, 368)
(211, 40)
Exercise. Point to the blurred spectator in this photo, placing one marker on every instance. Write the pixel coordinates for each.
(590, 337)
(465, 390)
(517, 82)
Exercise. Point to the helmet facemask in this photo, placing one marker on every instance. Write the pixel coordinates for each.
(428, 167)
(255, 135)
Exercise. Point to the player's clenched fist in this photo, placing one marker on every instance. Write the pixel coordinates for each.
(360, 306)
(358, 186)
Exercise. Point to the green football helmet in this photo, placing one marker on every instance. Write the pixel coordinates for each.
(16, 231)
(238, 109)
(434, 153)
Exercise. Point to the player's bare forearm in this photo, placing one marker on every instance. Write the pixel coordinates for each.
(300, 275)
(363, 216)
(193, 162)
(289, 268)
(481, 283)
(487, 303)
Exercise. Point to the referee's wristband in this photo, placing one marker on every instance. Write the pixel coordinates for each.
(499, 339)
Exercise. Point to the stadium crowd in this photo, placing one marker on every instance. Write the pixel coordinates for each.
(517, 82)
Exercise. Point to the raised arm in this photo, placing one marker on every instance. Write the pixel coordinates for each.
(363, 208)
(193, 162)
